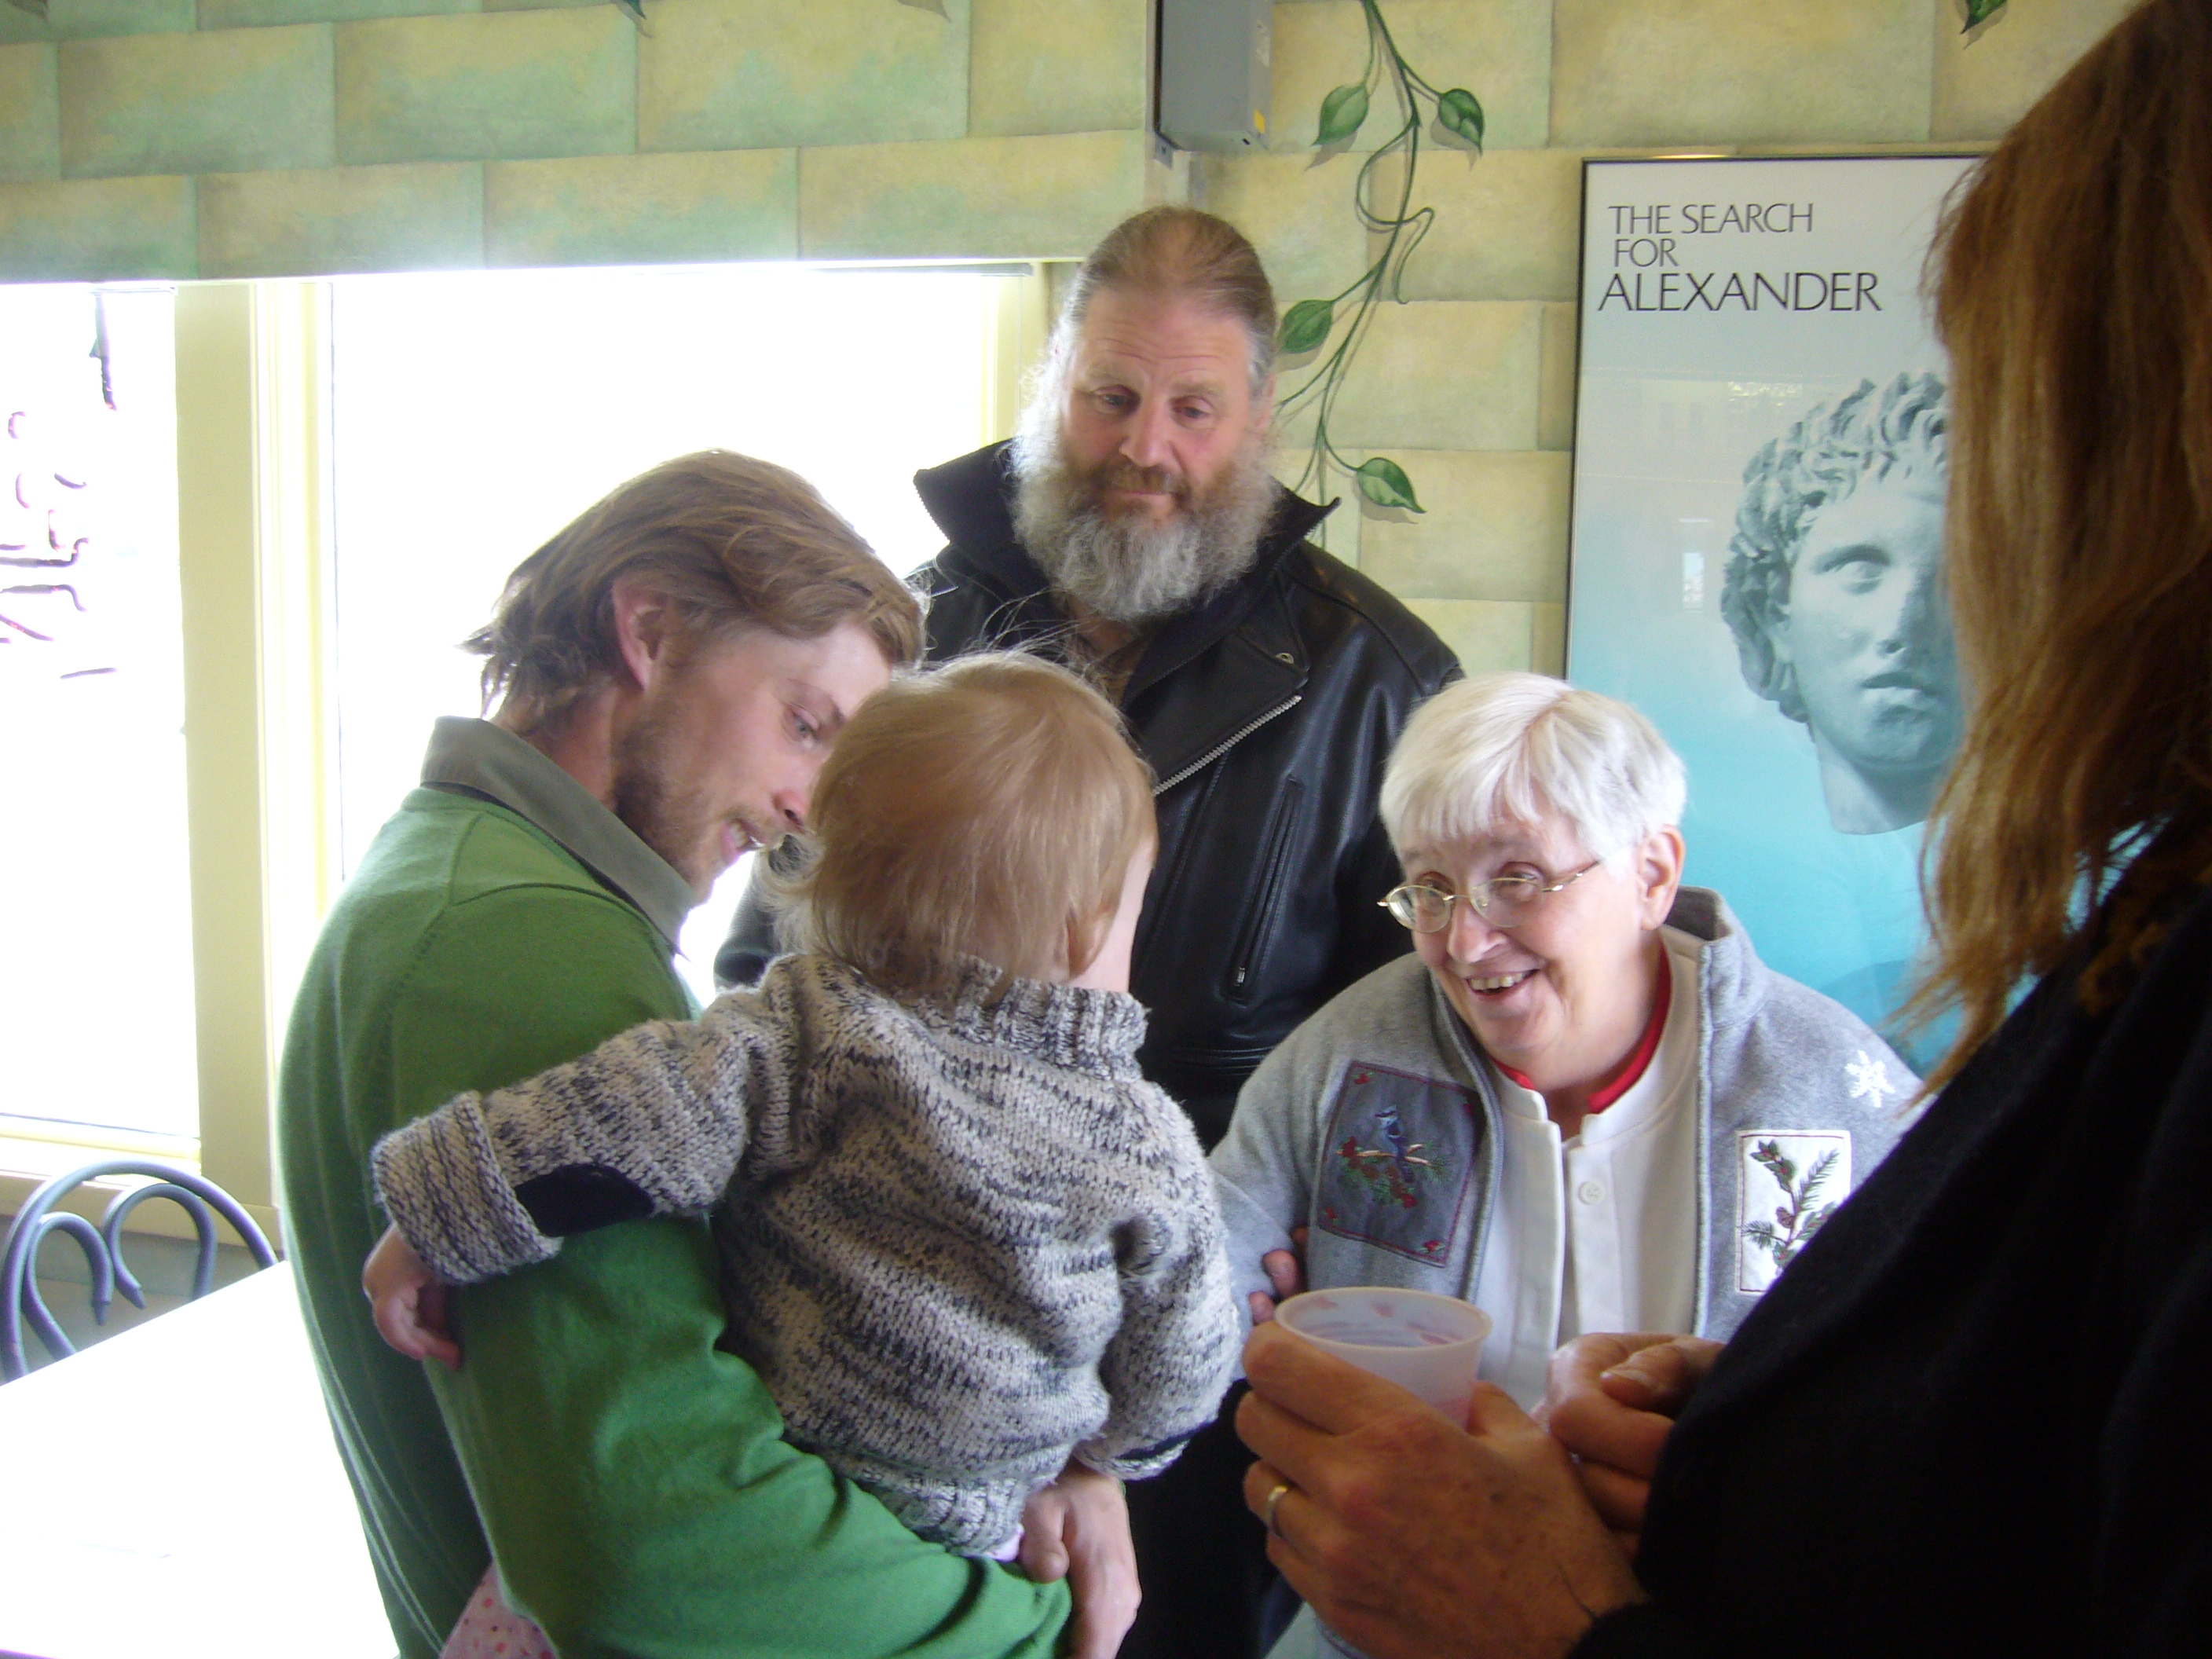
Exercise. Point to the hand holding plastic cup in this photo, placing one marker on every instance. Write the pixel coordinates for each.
(1428, 1344)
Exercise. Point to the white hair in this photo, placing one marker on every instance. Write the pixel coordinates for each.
(1130, 570)
(1517, 749)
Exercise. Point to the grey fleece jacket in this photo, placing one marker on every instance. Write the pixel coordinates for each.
(1779, 1067)
(960, 1242)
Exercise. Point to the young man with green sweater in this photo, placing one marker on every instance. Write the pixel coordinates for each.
(670, 670)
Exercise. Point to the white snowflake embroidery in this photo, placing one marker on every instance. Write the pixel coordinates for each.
(1870, 1078)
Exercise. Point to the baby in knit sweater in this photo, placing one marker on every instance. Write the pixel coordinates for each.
(962, 1240)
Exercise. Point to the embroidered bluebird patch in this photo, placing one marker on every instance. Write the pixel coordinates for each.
(1395, 1169)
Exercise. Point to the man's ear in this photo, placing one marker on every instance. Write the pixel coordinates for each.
(645, 629)
(1263, 408)
(1658, 872)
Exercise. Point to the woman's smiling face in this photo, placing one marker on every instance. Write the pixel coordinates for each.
(1561, 994)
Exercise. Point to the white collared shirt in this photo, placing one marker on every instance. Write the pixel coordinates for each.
(1597, 1232)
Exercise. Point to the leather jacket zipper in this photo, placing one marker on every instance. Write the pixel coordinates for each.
(1259, 921)
(1225, 745)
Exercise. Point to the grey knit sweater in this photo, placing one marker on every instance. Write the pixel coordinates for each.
(960, 1242)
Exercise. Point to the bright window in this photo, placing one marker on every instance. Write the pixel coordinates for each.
(474, 415)
(303, 495)
(96, 992)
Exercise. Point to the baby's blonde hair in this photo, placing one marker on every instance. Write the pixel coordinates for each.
(990, 808)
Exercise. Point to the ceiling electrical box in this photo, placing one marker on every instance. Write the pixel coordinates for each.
(1213, 73)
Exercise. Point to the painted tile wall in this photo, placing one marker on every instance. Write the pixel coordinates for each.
(295, 138)
(269, 137)
(1469, 385)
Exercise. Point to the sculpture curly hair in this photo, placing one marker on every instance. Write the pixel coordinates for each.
(1897, 431)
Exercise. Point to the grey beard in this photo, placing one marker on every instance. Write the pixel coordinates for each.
(1131, 571)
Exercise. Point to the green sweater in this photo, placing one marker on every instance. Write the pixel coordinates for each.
(630, 1476)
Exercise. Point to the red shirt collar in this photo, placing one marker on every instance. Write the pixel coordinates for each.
(1639, 1059)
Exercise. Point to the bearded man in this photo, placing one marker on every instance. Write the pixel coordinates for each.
(1134, 531)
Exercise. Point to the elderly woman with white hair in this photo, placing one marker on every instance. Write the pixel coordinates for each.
(1584, 1103)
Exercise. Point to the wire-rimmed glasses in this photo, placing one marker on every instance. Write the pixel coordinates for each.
(1502, 900)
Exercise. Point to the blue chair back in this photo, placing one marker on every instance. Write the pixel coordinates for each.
(20, 1300)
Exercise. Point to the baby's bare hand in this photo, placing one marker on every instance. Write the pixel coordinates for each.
(1077, 1528)
(408, 1302)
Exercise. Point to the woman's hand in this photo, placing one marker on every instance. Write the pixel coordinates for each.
(409, 1302)
(1077, 1528)
(1286, 1277)
(1411, 1536)
(1612, 1400)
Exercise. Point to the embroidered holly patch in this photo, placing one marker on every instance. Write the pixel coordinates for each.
(1398, 1159)
(1790, 1182)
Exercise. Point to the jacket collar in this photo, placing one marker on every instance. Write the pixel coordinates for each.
(1731, 979)
(971, 499)
(479, 758)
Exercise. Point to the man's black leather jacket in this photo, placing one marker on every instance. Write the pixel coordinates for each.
(1266, 715)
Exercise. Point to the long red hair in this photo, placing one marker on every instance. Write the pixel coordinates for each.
(2075, 295)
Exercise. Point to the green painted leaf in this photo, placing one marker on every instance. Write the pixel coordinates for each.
(1979, 12)
(1460, 113)
(1305, 326)
(1384, 483)
(1341, 112)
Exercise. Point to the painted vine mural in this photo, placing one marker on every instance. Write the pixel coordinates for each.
(1454, 119)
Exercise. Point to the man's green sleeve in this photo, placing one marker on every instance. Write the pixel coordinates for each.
(632, 1477)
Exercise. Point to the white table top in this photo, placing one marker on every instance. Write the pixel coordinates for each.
(175, 1490)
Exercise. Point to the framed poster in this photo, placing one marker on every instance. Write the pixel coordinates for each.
(1759, 468)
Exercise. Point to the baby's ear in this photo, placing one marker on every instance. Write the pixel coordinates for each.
(1079, 945)
(1084, 944)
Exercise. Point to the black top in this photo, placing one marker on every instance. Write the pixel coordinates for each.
(1973, 1417)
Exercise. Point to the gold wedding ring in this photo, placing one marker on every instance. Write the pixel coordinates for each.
(1267, 1508)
